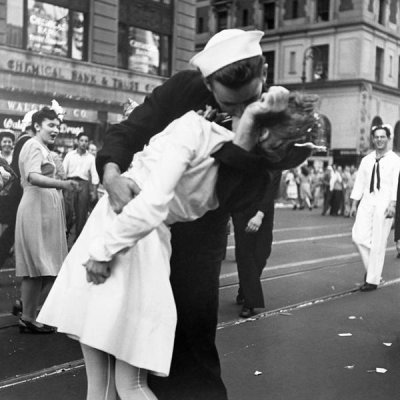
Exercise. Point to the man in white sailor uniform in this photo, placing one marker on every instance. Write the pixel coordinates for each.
(375, 192)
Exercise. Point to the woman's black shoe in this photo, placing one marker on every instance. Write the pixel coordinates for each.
(29, 327)
(17, 308)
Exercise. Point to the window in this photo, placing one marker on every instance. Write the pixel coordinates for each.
(322, 10)
(378, 64)
(381, 12)
(269, 16)
(320, 62)
(396, 137)
(15, 23)
(270, 60)
(398, 75)
(200, 25)
(390, 66)
(144, 51)
(245, 17)
(48, 29)
(222, 20)
(292, 62)
(295, 9)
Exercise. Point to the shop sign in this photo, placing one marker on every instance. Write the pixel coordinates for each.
(345, 152)
(38, 66)
(68, 128)
(20, 107)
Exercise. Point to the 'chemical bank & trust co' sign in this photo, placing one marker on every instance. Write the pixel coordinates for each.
(53, 68)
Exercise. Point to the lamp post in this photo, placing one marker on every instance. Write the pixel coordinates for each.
(310, 52)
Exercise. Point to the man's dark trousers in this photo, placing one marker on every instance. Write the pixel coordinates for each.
(252, 251)
(77, 206)
(197, 252)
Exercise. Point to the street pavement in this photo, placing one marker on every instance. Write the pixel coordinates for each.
(318, 338)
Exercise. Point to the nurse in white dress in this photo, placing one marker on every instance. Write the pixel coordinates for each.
(120, 307)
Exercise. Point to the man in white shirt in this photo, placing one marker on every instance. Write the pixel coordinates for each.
(80, 165)
(375, 193)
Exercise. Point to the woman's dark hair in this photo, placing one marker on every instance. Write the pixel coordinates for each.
(299, 123)
(304, 170)
(239, 73)
(41, 115)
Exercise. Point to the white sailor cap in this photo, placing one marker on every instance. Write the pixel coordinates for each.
(227, 47)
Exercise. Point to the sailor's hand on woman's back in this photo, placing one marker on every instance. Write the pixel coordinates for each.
(120, 189)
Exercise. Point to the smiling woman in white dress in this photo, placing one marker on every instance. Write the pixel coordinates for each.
(121, 307)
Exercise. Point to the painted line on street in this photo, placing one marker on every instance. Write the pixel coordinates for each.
(303, 228)
(43, 373)
(305, 262)
(294, 307)
(307, 239)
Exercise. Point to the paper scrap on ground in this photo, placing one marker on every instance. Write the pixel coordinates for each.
(345, 334)
(285, 313)
(352, 317)
(387, 344)
(349, 366)
(378, 370)
(256, 373)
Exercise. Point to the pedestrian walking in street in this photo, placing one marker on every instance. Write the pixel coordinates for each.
(253, 242)
(305, 188)
(375, 193)
(326, 189)
(336, 188)
(129, 312)
(397, 220)
(40, 243)
(292, 192)
(79, 165)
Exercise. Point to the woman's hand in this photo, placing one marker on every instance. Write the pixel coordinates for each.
(71, 185)
(97, 272)
(273, 101)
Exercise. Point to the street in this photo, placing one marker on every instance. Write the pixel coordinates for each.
(318, 338)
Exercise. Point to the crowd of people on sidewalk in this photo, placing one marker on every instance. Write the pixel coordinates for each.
(139, 286)
(328, 188)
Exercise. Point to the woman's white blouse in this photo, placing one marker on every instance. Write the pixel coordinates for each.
(177, 176)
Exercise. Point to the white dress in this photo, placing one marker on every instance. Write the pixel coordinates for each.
(132, 315)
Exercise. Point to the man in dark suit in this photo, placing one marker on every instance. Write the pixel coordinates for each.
(231, 75)
(253, 242)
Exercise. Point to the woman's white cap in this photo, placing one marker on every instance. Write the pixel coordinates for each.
(227, 47)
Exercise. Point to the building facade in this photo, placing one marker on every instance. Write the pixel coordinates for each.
(346, 51)
(90, 56)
